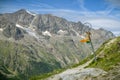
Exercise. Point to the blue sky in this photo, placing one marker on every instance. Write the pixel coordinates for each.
(100, 13)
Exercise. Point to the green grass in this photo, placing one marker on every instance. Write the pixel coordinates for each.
(83, 61)
(4, 77)
(111, 56)
(46, 75)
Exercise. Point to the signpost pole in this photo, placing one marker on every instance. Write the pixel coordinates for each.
(88, 34)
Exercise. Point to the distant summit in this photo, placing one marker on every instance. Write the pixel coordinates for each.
(21, 11)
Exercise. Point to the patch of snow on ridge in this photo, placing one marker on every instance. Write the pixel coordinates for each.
(46, 33)
(28, 30)
(76, 32)
(1, 29)
(17, 25)
(32, 33)
(62, 32)
(30, 13)
(82, 36)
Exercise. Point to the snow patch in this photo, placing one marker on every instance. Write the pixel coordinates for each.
(1, 29)
(30, 13)
(76, 32)
(33, 29)
(82, 36)
(19, 26)
(62, 32)
(46, 33)
(30, 32)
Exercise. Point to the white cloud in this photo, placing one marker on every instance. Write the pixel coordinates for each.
(41, 5)
(106, 23)
(114, 3)
(117, 33)
(82, 5)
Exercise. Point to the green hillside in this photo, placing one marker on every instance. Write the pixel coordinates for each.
(108, 55)
(17, 60)
(108, 59)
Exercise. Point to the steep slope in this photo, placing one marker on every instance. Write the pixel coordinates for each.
(107, 66)
(109, 60)
(33, 44)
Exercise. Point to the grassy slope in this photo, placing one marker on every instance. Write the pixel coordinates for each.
(14, 61)
(7, 60)
(109, 55)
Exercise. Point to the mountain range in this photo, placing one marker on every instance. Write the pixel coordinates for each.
(33, 44)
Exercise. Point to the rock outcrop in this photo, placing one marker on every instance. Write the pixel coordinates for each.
(79, 74)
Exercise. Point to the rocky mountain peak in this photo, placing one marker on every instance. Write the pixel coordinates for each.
(24, 11)
(39, 23)
(21, 11)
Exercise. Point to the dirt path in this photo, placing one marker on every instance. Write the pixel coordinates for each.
(69, 71)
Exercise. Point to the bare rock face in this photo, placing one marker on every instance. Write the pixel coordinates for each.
(50, 23)
(79, 74)
(12, 31)
(49, 42)
(113, 74)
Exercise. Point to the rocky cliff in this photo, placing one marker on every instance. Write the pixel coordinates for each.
(32, 44)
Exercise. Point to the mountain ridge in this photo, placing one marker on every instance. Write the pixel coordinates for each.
(37, 44)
